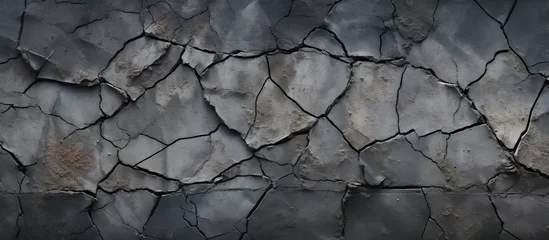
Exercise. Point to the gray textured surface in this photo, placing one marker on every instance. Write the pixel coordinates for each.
(262, 119)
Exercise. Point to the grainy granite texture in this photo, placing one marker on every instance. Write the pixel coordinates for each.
(274, 119)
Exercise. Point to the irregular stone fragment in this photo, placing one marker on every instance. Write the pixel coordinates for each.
(158, 71)
(326, 41)
(73, 43)
(312, 79)
(173, 214)
(227, 204)
(359, 24)
(504, 235)
(128, 64)
(506, 95)
(328, 156)
(10, 23)
(497, 9)
(9, 205)
(111, 99)
(276, 117)
(414, 19)
(122, 215)
(25, 130)
(464, 215)
(463, 40)
(286, 152)
(524, 216)
(426, 105)
(199, 159)
(174, 109)
(526, 32)
(16, 76)
(523, 182)
(397, 163)
(129, 179)
(197, 59)
(232, 87)
(384, 214)
(532, 150)
(297, 213)
(77, 162)
(245, 25)
(473, 157)
(56, 216)
(250, 167)
(77, 105)
(433, 231)
(139, 149)
(275, 171)
(298, 18)
(367, 111)
(10, 176)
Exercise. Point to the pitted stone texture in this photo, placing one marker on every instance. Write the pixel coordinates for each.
(174, 109)
(506, 95)
(524, 216)
(9, 205)
(463, 40)
(464, 215)
(384, 214)
(526, 36)
(77, 105)
(367, 111)
(425, 105)
(359, 24)
(197, 59)
(131, 61)
(232, 87)
(25, 131)
(298, 213)
(128, 179)
(473, 156)
(414, 18)
(328, 156)
(111, 99)
(397, 163)
(223, 208)
(56, 216)
(532, 150)
(73, 43)
(77, 162)
(277, 117)
(326, 41)
(312, 79)
(10, 23)
(199, 159)
(122, 215)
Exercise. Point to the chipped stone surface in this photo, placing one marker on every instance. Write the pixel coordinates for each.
(506, 95)
(261, 119)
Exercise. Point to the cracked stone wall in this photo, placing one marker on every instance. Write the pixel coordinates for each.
(286, 119)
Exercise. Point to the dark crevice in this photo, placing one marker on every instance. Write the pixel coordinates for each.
(255, 106)
(431, 216)
(398, 96)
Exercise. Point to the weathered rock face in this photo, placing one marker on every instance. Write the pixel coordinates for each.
(262, 119)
